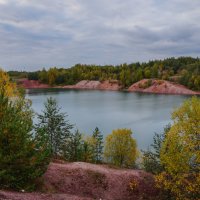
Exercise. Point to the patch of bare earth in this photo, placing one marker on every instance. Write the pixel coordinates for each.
(96, 85)
(30, 84)
(84, 84)
(89, 181)
(160, 87)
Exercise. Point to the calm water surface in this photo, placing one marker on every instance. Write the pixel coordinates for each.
(145, 114)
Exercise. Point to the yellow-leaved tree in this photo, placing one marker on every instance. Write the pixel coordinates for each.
(52, 75)
(180, 153)
(120, 148)
(6, 86)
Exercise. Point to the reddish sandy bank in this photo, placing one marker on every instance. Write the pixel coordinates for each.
(30, 84)
(145, 85)
(89, 181)
(160, 87)
(96, 85)
(85, 84)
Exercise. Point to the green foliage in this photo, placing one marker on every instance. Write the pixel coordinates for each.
(52, 76)
(120, 148)
(98, 145)
(56, 127)
(42, 76)
(180, 153)
(17, 75)
(151, 158)
(33, 76)
(74, 148)
(23, 157)
(87, 150)
(126, 74)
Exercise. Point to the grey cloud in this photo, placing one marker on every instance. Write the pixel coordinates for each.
(35, 33)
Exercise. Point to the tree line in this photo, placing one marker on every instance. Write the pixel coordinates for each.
(183, 70)
(26, 148)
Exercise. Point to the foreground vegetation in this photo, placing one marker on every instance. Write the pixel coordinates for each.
(26, 148)
(175, 154)
(183, 70)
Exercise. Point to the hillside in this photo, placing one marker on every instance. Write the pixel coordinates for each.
(182, 70)
(86, 181)
(160, 87)
(97, 85)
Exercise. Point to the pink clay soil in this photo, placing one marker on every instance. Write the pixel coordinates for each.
(160, 87)
(157, 86)
(84, 181)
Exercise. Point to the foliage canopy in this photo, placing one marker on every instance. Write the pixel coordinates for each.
(184, 70)
(120, 148)
(180, 152)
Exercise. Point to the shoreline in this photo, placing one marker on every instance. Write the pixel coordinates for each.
(122, 90)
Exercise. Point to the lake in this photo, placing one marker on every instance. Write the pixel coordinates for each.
(144, 114)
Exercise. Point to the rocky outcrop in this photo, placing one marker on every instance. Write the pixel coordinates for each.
(160, 87)
(89, 181)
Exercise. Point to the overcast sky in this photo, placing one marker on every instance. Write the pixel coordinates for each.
(44, 33)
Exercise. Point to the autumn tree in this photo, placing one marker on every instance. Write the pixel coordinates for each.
(120, 148)
(6, 86)
(180, 153)
(56, 126)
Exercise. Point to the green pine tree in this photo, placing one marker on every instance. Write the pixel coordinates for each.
(98, 145)
(57, 128)
(23, 157)
(74, 148)
(86, 151)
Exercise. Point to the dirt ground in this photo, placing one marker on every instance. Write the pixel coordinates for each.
(84, 181)
(160, 87)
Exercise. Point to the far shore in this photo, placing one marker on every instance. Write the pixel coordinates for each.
(143, 86)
